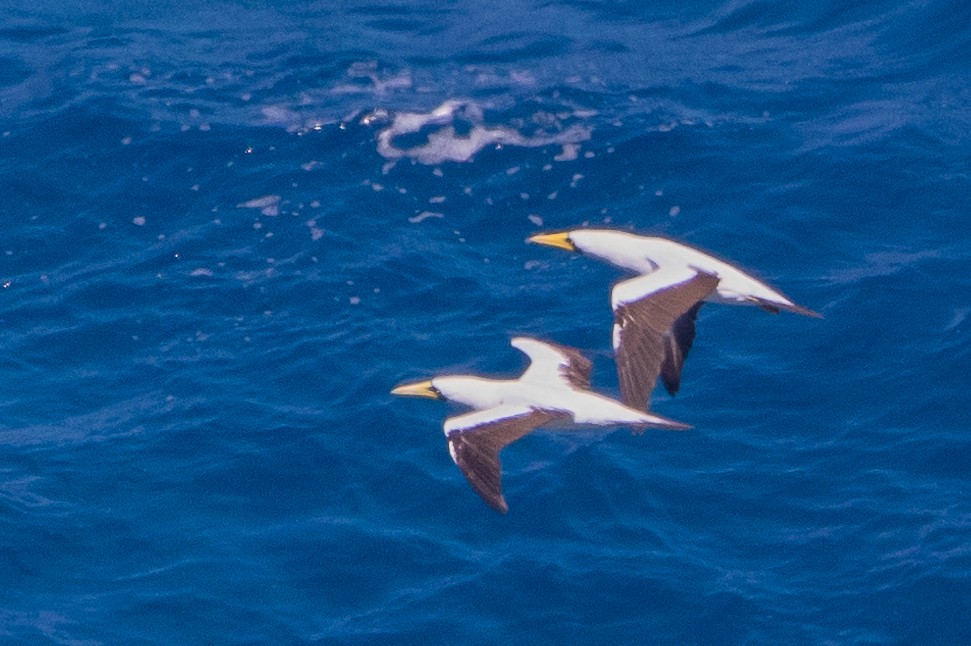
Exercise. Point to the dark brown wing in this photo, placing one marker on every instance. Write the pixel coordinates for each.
(677, 343)
(577, 371)
(475, 440)
(643, 332)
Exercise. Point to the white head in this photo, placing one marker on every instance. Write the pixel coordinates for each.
(616, 247)
(476, 392)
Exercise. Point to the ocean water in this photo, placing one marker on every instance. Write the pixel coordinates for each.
(230, 228)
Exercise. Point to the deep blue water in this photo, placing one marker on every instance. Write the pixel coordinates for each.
(222, 247)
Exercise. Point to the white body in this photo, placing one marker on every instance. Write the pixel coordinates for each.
(542, 387)
(646, 255)
(494, 398)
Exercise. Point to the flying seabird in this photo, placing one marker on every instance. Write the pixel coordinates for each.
(553, 391)
(663, 264)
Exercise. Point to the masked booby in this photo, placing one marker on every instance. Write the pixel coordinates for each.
(663, 264)
(553, 391)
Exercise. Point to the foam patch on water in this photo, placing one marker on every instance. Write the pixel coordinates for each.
(424, 215)
(268, 205)
(374, 81)
(444, 142)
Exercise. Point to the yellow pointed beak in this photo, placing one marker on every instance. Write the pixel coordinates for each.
(561, 240)
(420, 389)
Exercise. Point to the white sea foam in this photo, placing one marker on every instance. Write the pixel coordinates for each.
(569, 153)
(316, 233)
(424, 215)
(445, 143)
(268, 205)
(371, 80)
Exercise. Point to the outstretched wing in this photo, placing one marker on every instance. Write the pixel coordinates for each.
(552, 363)
(475, 440)
(645, 311)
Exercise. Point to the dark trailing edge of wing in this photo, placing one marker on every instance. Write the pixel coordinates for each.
(677, 343)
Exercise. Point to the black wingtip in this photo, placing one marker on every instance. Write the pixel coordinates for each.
(799, 309)
(672, 382)
(775, 308)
